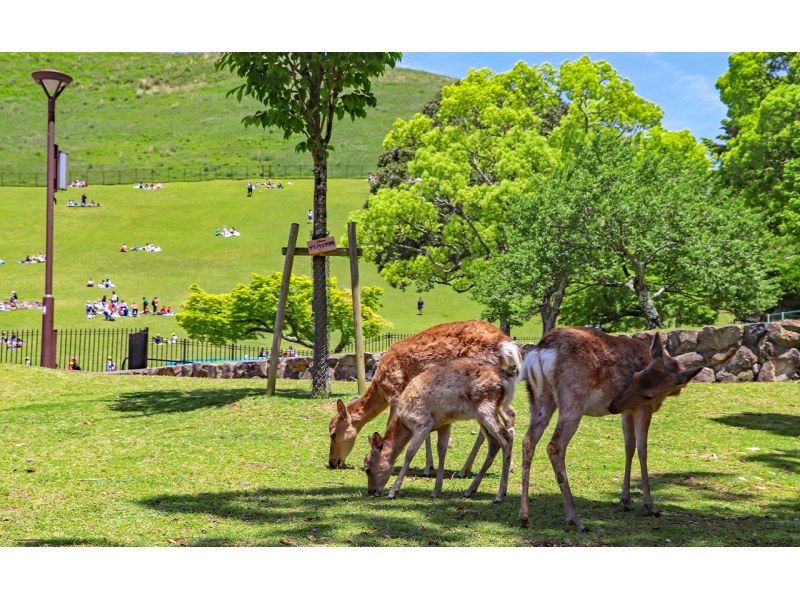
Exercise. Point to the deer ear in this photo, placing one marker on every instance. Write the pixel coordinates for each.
(686, 375)
(341, 408)
(376, 441)
(656, 350)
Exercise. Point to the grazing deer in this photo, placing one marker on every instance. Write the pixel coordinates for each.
(399, 364)
(581, 371)
(455, 390)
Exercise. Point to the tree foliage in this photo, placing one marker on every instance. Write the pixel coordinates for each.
(495, 137)
(760, 149)
(248, 311)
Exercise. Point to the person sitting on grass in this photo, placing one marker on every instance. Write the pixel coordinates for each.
(110, 365)
(124, 248)
(73, 364)
(90, 282)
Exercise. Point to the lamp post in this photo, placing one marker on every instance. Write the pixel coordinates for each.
(53, 83)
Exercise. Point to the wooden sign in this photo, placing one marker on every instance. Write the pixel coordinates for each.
(320, 246)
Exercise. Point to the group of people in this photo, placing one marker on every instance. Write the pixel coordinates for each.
(72, 203)
(160, 340)
(226, 232)
(104, 284)
(148, 186)
(36, 258)
(111, 308)
(149, 248)
(12, 341)
(79, 183)
(268, 184)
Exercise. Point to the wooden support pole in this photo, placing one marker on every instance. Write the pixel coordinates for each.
(358, 326)
(336, 252)
(274, 354)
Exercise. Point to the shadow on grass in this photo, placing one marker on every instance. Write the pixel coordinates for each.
(345, 515)
(785, 460)
(156, 402)
(66, 542)
(781, 424)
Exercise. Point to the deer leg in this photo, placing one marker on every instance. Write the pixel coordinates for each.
(498, 438)
(494, 447)
(416, 441)
(467, 469)
(508, 451)
(642, 425)
(557, 449)
(441, 446)
(428, 458)
(629, 434)
(541, 412)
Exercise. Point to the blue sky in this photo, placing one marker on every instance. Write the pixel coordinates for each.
(682, 83)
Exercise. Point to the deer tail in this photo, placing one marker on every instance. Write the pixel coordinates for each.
(510, 353)
(532, 373)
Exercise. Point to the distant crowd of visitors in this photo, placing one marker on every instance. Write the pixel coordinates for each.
(111, 308)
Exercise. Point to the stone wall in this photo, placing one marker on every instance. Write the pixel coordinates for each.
(736, 353)
(340, 367)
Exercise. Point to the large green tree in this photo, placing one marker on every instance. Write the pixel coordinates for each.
(304, 94)
(760, 150)
(248, 311)
(633, 232)
(494, 137)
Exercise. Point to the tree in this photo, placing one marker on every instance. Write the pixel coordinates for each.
(670, 242)
(760, 150)
(305, 93)
(495, 137)
(248, 311)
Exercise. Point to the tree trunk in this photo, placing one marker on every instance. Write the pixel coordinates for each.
(505, 326)
(639, 288)
(551, 306)
(319, 368)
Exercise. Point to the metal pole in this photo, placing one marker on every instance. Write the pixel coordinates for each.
(284, 292)
(48, 302)
(357, 324)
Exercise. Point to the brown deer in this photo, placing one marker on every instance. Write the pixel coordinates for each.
(398, 365)
(581, 371)
(455, 390)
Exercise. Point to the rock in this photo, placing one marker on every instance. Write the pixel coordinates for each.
(711, 339)
(240, 370)
(226, 371)
(745, 376)
(690, 360)
(784, 337)
(681, 341)
(719, 359)
(211, 370)
(307, 374)
(791, 325)
(753, 333)
(165, 371)
(186, 369)
(723, 376)
(787, 364)
(198, 371)
(705, 375)
(742, 360)
(295, 367)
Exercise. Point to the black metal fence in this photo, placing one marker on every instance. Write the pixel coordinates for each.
(132, 176)
(91, 347)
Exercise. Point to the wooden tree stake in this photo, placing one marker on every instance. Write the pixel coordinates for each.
(274, 354)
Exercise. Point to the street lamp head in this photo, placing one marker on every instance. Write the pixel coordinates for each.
(53, 82)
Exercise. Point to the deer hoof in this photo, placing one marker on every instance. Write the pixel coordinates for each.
(435, 494)
(650, 511)
(580, 526)
(626, 504)
(462, 474)
(525, 521)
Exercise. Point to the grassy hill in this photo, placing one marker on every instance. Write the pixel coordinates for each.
(147, 110)
(182, 218)
(153, 461)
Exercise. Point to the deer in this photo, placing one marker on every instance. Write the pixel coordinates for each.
(403, 361)
(582, 371)
(456, 390)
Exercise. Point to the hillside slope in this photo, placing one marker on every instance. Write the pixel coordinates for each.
(148, 110)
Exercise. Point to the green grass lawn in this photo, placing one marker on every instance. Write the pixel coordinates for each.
(181, 218)
(156, 110)
(95, 460)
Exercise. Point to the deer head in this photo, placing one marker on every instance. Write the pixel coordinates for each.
(376, 468)
(663, 377)
(343, 436)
